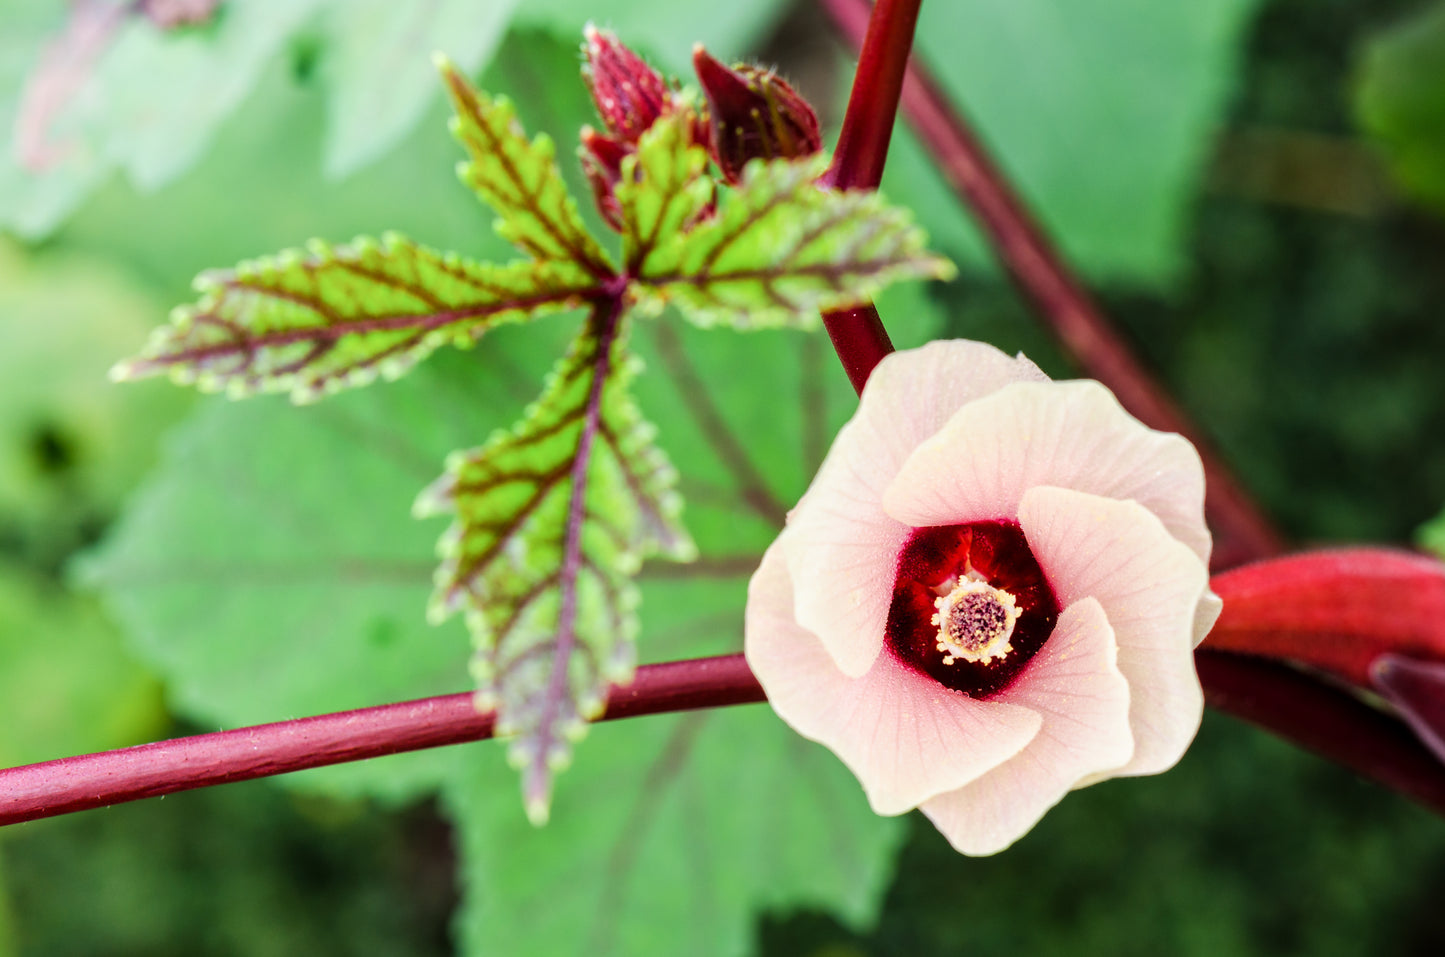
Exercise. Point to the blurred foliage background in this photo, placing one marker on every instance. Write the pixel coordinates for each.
(1255, 187)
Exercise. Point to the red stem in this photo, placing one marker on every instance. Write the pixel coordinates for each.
(859, 339)
(1042, 275)
(1309, 713)
(166, 767)
(1322, 718)
(877, 85)
(858, 334)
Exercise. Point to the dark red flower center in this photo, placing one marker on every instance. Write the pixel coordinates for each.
(970, 606)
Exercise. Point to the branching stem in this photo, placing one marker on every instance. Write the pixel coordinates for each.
(858, 335)
(1041, 274)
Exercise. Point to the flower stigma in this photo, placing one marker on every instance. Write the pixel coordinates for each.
(975, 621)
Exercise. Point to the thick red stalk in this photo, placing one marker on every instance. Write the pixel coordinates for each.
(859, 339)
(166, 767)
(1329, 721)
(858, 334)
(1326, 720)
(1338, 609)
(1046, 279)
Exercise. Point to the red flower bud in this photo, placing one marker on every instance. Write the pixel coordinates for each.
(628, 93)
(1339, 610)
(602, 164)
(755, 114)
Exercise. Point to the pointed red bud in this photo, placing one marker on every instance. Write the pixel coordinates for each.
(602, 164)
(1338, 610)
(754, 114)
(628, 93)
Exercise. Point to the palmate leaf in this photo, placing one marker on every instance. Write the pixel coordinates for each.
(552, 521)
(519, 178)
(311, 323)
(780, 248)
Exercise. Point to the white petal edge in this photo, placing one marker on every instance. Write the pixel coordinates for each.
(1074, 683)
(1210, 606)
(842, 548)
(905, 736)
(1069, 434)
(1150, 586)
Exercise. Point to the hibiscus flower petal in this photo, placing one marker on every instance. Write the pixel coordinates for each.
(1210, 605)
(1149, 585)
(1076, 686)
(906, 737)
(841, 546)
(1069, 434)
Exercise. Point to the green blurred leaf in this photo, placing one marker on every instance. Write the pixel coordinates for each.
(519, 179)
(779, 249)
(665, 28)
(1432, 535)
(673, 832)
(316, 322)
(70, 444)
(7, 915)
(377, 63)
(150, 107)
(1101, 111)
(553, 520)
(1400, 101)
(67, 685)
(236, 871)
(267, 160)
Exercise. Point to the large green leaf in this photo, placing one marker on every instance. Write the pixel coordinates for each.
(553, 520)
(272, 568)
(1101, 111)
(674, 832)
(377, 63)
(67, 684)
(1401, 101)
(779, 248)
(314, 323)
(670, 834)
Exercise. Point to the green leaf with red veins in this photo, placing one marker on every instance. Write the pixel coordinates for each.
(312, 323)
(553, 520)
(664, 189)
(519, 179)
(780, 249)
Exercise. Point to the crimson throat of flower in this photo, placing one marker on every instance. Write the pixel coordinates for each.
(970, 607)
